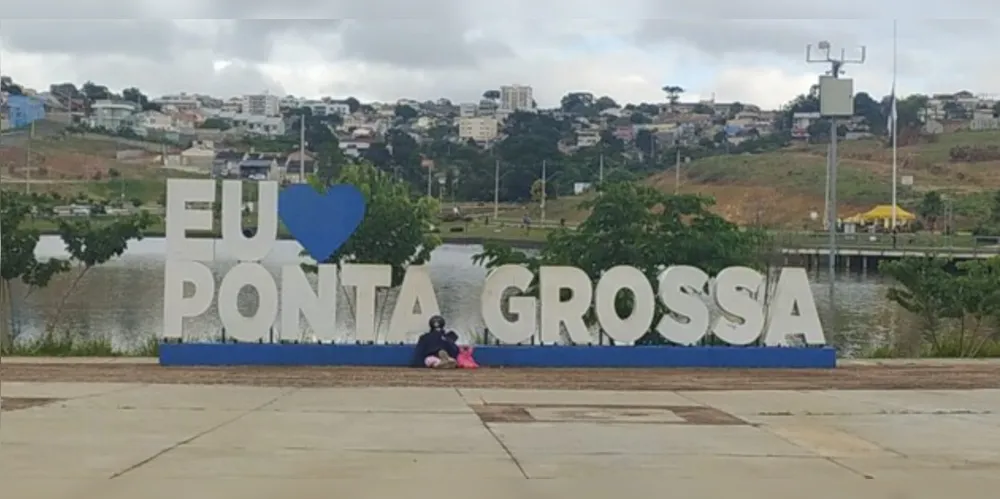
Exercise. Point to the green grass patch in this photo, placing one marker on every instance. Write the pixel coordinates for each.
(69, 345)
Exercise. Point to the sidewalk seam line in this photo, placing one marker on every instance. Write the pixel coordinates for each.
(200, 434)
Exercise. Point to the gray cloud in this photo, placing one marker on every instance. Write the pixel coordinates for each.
(387, 49)
(417, 44)
(143, 39)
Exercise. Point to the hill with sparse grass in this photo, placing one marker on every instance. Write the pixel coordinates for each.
(69, 164)
(782, 188)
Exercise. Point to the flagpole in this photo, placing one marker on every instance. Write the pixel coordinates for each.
(895, 119)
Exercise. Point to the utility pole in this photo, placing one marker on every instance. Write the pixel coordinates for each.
(496, 190)
(302, 148)
(677, 173)
(543, 190)
(430, 178)
(836, 100)
(27, 160)
(600, 173)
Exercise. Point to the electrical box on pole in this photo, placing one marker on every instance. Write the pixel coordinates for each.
(836, 97)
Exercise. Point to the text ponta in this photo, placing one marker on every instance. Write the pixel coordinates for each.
(790, 311)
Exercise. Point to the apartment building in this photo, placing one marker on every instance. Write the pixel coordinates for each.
(262, 105)
(112, 115)
(516, 98)
(480, 129)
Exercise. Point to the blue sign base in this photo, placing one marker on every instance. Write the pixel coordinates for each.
(254, 354)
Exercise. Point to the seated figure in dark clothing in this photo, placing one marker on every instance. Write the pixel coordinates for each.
(436, 348)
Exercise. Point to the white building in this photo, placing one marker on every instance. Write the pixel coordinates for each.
(112, 115)
(321, 108)
(481, 129)
(261, 105)
(153, 120)
(468, 109)
(516, 98)
(180, 102)
(587, 138)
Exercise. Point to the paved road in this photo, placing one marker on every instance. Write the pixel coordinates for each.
(169, 441)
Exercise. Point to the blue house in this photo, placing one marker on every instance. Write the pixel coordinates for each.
(21, 110)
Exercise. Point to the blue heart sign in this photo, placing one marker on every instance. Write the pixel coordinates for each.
(321, 222)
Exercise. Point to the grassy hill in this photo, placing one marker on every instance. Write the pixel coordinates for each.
(782, 188)
(69, 164)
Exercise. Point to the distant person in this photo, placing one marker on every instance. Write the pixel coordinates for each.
(436, 348)
(895, 236)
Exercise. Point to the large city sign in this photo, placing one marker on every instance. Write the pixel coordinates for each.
(323, 222)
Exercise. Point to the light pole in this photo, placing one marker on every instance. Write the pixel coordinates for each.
(302, 149)
(836, 100)
(544, 177)
(496, 190)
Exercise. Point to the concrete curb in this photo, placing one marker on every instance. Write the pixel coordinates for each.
(840, 363)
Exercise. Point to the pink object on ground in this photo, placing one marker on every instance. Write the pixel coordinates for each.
(432, 361)
(465, 360)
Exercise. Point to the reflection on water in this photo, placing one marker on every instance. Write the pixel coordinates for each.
(124, 298)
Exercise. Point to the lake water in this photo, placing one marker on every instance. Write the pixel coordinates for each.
(124, 298)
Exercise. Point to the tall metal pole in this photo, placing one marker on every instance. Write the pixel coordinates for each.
(430, 176)
(894, 119)
(836, 65)
(677, 172)
(496, 190)
(600, 171)
(543, 190)
(302, 148)
(27, 160)
(826, 192)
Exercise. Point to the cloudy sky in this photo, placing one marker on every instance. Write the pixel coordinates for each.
(424, 49)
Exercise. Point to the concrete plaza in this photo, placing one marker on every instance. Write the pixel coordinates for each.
(87, 440)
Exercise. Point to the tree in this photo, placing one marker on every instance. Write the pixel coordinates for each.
(673, 94)
(18, 240)
(701, 108)
(493, 95)
(396, 230)
(660, 229)
(92, 243)
(7, 85)
(606, 102)
(931, 208)
(133, 95)
(956, 310)
(352, 104)
(329, 161)
(577, 102)
(923, 287)
(93, 91)
(406, 113)
(216, 124)
(866, 107)
(996, 110)
(639, 118)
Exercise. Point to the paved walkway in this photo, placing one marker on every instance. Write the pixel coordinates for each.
(86, 440)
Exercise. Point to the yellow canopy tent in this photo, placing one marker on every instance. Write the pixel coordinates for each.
(884, 212)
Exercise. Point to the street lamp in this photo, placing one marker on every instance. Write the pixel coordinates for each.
(836, 100)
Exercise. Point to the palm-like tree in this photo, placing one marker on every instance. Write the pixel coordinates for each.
(673, 93)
